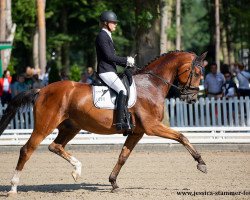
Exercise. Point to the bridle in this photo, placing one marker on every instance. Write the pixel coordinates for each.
(187, 88)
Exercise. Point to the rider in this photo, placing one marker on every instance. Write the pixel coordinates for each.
(107, 60)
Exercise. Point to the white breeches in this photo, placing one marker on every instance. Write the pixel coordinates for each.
(113, 81)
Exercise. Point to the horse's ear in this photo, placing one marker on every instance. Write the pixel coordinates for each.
(202, 57)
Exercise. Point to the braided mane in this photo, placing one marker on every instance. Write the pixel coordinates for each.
(162, 55)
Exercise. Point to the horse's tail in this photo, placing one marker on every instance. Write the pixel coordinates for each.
(20, 101)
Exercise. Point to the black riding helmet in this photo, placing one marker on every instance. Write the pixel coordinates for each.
(108, 16)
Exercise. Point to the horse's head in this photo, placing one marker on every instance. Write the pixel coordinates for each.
(185, 67)
(189, 76)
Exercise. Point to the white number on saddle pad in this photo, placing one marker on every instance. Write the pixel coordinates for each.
(105, 99)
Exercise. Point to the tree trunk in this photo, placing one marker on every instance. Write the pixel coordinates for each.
(166, 16)
(8, 18)
(217, 33)
(147, 39)
(10, 33)
(164, 25)
(228, 30)
(65, 46)
(36, 49)
(170, 44)
(224, 46)
(2, 29)
(178, 24)
(2, 20)
(42, 34)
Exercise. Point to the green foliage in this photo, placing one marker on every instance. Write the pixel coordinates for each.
(145, 19)
(171, 32)
(24, 15)
(72, 27)
(195, 29)
(11, 69)
(75, 73)
(54, 73)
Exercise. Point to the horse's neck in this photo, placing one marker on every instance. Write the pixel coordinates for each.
(165, 66)
(146, 81)
(166, 69)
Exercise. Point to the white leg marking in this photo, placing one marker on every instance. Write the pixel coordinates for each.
(14, 182)
(77, 167)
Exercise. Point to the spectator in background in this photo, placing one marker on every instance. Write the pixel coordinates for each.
(5, 90)
(214, 82)
(21, 85)
(243, 78)
(28, 80)
(89, 76)
(13, 85)
(83, 78)
(229, 87)
(45, 77)
(37, 83)
(64, 75)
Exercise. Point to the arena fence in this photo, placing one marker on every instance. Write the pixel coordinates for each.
(204, 113)
(206, 121)
(200, 135)
(209, 112)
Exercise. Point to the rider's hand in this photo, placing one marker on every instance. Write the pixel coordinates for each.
(130, 61)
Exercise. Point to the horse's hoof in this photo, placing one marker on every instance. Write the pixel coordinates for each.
(202, 168)
(77, 172)
(75, 175)
(11, 193)
(116, 190)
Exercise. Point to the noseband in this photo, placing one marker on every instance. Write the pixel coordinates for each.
(187, 88)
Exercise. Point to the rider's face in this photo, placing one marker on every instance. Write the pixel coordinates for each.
(112, 26)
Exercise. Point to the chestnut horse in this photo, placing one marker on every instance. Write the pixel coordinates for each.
(68, 106)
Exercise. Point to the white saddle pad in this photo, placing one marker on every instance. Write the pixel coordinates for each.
(102, 97)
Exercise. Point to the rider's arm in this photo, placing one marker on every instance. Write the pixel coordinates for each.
(109, 56)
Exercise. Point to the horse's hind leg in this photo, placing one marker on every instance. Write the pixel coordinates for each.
(43, 127)
(166, 132)
(67, 131)
(25, 153)
(128, 146)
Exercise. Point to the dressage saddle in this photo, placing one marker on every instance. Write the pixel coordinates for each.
(127, 80)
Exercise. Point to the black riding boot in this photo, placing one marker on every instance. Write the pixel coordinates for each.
(121, 103)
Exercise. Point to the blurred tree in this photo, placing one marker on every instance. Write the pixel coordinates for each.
(73, 25)
(235, 23)
(77, 24)
(24, 15)
(7, 31)
(2, 20)
(178, 25)
(75, 73)
(166, 10)
(195, 28)
(42, 35)
(217, 33)
(53, 72)
(148, 30)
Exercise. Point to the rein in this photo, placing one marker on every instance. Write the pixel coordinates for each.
(182, 90)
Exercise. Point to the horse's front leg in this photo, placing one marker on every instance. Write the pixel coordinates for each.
(166, 132)
(128, 146)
